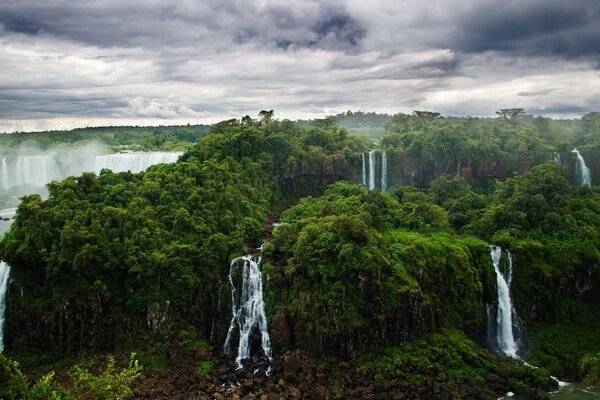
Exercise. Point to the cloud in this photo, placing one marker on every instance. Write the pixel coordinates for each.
(129, 62)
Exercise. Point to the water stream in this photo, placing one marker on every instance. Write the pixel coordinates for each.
(247, 309)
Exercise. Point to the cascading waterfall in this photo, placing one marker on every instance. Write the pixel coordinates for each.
(364, 170)
(248, 313)
(383, 172)
(505, 339)
(4, 275)
(372, 170)
(584, 175)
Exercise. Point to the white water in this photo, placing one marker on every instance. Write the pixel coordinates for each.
(372, 170)
(134, 162)
(249, 312)
(39, 170)
(4, 279)
(383, 172)
(557, 158)
(584, 175)
(34, 170)
(4, 183)
(505, 339)
(364, 170)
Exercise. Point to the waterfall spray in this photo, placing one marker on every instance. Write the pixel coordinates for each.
(371, 169)
(4, 280)
(584, 175)
(383, 171)
(364, 170)
(505, 339)
(249, 312)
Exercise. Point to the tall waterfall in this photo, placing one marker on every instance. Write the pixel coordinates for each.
(584, 175)
(383, 171)
(369, 180)
(372, 170)
(4, 275)
(505, 338)
(247, 308)
(364, 170)
(4, 183)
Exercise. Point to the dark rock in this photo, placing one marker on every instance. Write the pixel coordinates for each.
(320, 392)
(292, 364)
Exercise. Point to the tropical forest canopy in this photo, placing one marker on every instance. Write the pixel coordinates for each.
(128, 261)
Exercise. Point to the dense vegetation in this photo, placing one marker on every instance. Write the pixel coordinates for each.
(131, 137)
(131, 261)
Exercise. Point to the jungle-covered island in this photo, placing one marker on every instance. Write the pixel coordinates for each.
(362, 255)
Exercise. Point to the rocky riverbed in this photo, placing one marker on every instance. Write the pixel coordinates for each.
(295, 376)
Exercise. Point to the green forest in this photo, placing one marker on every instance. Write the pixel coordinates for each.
(368, 293)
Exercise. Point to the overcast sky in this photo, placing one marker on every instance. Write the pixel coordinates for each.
(67, 63)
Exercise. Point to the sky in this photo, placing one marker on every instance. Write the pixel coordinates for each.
(66, 64)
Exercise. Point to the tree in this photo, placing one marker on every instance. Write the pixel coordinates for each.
(426, 116)
(510, 113)
(266, 116)
(247, 120)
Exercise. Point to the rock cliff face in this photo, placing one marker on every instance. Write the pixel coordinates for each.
(309, 175)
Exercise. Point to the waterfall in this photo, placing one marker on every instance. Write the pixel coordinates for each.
(39, 170)
(248, 309)
(134, 162)
(35, 170)
(383, 172)
(372, 170)
(557, 157)
(505, 339)
(4, 184)
(4, 275)
(364, 170)
(584, 175)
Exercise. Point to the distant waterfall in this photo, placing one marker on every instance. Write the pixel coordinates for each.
(39, 170)
(505, 338)
(372, 170)
(247, 308)
(4, 275)
(4, 183)
(134, 162)
(584, 175)
(383, 172)
(35, 170)
(364, 170)
(369, 180)
(557, 157)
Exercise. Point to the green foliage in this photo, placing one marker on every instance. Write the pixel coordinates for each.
(590, 365)
(168, 138)
(449, 359)
(356, 263)
(111, 383)
(205, 369)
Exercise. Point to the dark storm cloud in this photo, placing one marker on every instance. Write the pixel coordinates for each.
(176, 59)
(550, 27)
(209, 23)
(45, 103)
